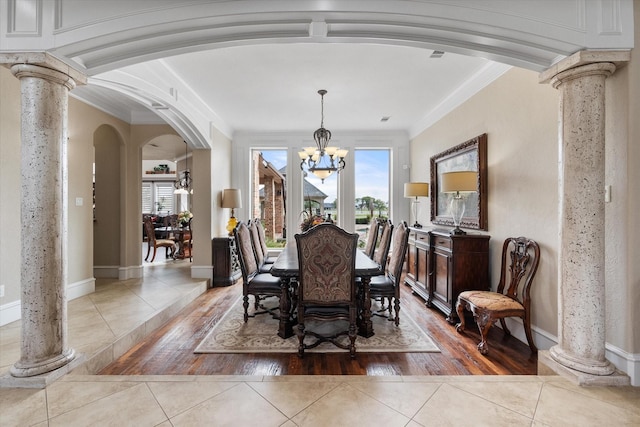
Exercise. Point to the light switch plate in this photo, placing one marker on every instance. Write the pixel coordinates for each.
(79, 201)
(607, 193)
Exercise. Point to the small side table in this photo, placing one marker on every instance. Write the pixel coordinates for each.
(226, 266)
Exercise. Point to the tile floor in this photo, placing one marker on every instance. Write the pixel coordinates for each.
(115, 316)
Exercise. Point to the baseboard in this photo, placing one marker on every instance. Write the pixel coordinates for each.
(202, 272)
(10, 312)
(131, 272)
(626, 362)
(106, 271)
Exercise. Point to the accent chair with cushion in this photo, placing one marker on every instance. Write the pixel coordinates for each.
(327, 285)
(257, 247)
(260, 285)
(168, 244)
(388, 286)
(520, 258)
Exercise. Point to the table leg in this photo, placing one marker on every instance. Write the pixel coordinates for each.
(366, 326)
(285, 326)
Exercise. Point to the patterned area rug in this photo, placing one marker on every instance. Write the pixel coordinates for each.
(259, 335)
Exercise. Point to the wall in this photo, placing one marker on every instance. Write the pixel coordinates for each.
(10, 257)
(520, 117)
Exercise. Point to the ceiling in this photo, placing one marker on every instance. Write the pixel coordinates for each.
(273, 88)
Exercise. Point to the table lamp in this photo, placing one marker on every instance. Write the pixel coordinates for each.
(415, 190)
(459, 183)
(231, 199)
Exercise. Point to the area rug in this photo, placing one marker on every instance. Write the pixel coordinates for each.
(259, 335)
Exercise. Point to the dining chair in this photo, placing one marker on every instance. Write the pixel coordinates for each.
(263, 242)
(187, 240)
(520, 258)
(168, 244)
(381, 253)
(260, 285)
(326, 285)
(388, 286)
(372, 238)
(257, 247)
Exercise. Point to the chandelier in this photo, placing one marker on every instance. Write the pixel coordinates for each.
(183, 183)
(322, 160)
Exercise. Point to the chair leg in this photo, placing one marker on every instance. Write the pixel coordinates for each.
(245, 304)
(353, 333)
(148, 252)
(396, 306)
(460, 310)
(154, 254)
(484, 324)
(527, 330)
(300, 334)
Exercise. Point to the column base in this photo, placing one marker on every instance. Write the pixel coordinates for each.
(548, 366)
(20, 370)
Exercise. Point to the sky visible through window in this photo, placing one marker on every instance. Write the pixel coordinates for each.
(372, 173)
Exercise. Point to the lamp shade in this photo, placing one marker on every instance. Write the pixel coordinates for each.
(231, 198)
(459, 182)
(416, 189)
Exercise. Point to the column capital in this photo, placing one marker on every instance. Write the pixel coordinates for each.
(44, 60)
(585, 57)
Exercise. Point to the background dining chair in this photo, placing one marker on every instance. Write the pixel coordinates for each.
(326, 284)
(257, 247)
(187, 240)
(263, 242)
(388, 286)
(169, 245)
(372, 238)
(520, 258)
(381, 253)
(260, 285)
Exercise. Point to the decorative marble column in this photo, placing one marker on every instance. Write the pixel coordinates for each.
(45, 84)
(581, 81)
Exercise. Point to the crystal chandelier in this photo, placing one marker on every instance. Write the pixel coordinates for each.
(183, 183)
(322, 160)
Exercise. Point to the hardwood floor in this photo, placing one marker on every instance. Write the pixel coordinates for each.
(169, 350)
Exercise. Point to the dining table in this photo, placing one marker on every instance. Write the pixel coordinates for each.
(286, 267)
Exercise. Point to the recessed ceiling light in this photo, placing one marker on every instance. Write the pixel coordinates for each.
(385, 118)
(437, 54)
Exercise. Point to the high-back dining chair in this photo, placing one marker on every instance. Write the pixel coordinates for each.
(187, 240)
(520, 258)
(388, 286)
(257, 247)
(254, 283)
(326, 285)
(263, 242)
(372, 237)
(381, 253)
(168, 244)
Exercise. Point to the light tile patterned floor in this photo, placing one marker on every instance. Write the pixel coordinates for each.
(117, 308)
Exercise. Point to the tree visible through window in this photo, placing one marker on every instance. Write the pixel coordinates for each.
(372, 187)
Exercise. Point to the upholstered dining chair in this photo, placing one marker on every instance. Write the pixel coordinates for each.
(381, 253)
(260, 285)
(168, 244)
(263, 242)
(257, 247)
(388, 286)
(372, 238)
(326, 285)
(520, 258)
(187, 240)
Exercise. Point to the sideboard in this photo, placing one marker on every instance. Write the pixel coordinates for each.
(226, 266)
(441, 265)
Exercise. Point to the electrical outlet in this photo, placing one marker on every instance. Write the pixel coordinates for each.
(1, 291)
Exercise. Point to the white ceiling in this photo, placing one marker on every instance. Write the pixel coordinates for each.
(273, 87)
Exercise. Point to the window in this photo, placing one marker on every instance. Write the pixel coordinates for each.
(372, 187)
(269, 193)
(157, 198)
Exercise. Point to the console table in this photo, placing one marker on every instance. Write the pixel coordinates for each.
(440, 266)
(226, 267)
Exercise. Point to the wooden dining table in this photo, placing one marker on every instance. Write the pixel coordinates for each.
(286, 267)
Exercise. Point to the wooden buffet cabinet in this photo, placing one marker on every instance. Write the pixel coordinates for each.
(440, 266)
(226, 266)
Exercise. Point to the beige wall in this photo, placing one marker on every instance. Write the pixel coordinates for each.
(10, 258)
(520, 117)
